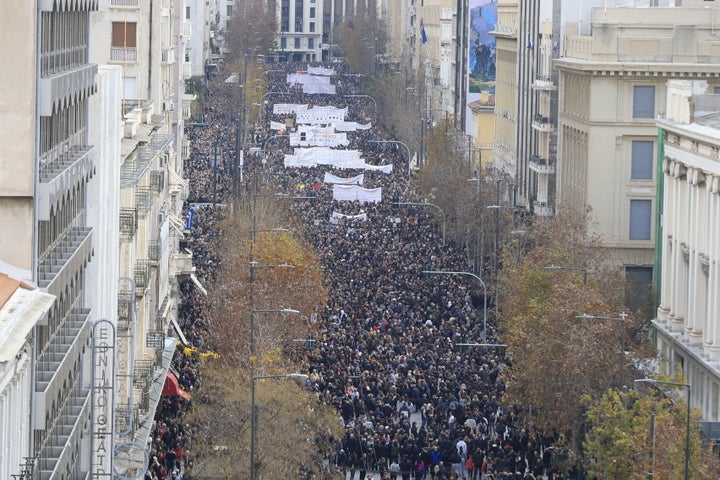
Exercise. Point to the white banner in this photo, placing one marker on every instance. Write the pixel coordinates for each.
(319, 89)
(357, 193)
(301, 78)
(338, 218)
(342, 159)
(277, 125)
(356, 180)
(321, 115)
(288, 108)
(350, 126)
(318, 139)
(321, 71)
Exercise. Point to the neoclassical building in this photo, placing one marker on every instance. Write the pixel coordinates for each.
(688, 316)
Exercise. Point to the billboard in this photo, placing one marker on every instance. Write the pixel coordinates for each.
(481, 47)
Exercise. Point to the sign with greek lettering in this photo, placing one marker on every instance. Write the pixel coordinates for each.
(103, 398)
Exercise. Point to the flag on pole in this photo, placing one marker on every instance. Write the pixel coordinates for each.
(423, 35)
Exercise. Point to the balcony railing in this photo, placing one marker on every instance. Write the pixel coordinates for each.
(168, 55)
(123, 54)
(123, 3)
(128, 221)
(542, 165)
(141, 275)
(154, 249)
(542, 123)
(143, 200)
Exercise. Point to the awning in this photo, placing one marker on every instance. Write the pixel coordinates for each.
(172, 387)
(198, 284)
(177, 224)
(179, 331)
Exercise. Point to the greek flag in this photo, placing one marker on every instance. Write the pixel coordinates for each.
(423, 35)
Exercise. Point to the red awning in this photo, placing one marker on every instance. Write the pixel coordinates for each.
(172, 387)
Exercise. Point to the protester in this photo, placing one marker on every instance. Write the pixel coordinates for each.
(389, 356)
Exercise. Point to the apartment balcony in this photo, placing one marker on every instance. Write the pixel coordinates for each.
(58, 454)
(65, 256)
(154, 251)
(543, 82)
(126, 310)
(168, 56)
(62, 173)
(123, 54)
(61, 85)
(125, 3)
(55, 363)
(132, 171)
(142, 274)
(144, 198)
(186, 70)
(541, 165)
(187, 29)
(542, 123)
(128, 222)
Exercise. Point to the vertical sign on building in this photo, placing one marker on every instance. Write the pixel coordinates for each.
(482, 19)
(103, 399)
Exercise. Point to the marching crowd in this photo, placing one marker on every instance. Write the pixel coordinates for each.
(404, 355)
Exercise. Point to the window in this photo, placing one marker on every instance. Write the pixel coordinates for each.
(297, 43)
(123, 34)
(640, 219)
(312, 12)
(640, 281)
(311, 43)
(716, 90)
(283, 43)
(229, 12)
(312, 26)
(642, 160)
(643, 102)
(187, 13)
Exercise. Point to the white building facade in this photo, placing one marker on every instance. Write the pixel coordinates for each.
(688, 316)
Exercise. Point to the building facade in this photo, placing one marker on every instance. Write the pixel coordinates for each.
(612, 84)
(301, 25)
(48, 163)
(688, 329)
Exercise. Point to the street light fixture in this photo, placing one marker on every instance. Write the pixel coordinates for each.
(396, 142)
(577, 269)
(476, 277)
(428, 204)
(687, 420)
(253, 413)
(252, 323)
(621, 318)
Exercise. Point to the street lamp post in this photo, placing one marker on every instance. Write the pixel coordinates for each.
(253, 412)
(621, 318)
(397, 142)
(264, 151)
(577, 269)
(476, 277)
(687, 419)
(428, 204)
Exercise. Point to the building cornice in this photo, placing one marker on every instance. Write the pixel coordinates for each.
(640, 70)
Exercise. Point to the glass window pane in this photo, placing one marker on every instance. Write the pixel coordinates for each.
(640, 219)
(642, 160)
(643, 102)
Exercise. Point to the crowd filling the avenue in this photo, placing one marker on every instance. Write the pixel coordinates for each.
(415, 404)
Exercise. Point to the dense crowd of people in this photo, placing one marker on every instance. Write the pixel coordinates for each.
(404, 356)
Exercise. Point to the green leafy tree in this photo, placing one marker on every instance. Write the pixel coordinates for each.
(621, 444)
